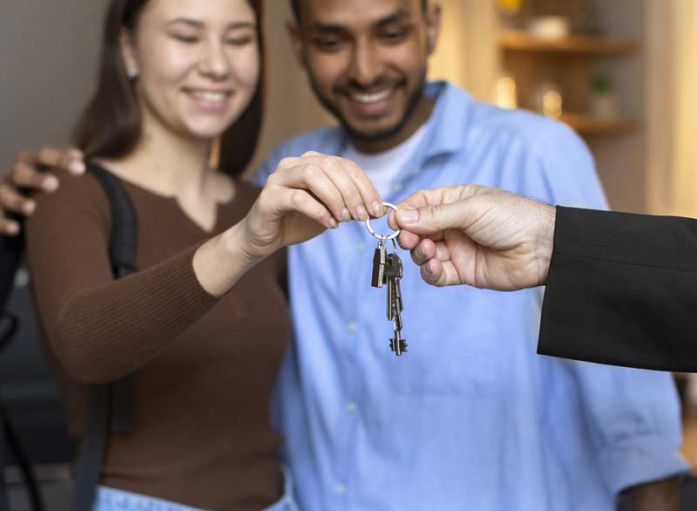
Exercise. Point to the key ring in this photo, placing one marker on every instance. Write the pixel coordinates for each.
(383, 237)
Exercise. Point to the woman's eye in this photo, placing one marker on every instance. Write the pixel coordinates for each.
(186, 39)
(240, 41)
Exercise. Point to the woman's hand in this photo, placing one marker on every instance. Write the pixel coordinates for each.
(304, 197)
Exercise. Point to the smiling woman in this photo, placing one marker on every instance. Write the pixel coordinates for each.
(202, 325)
(112, 123)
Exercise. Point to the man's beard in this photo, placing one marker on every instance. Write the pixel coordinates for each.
(376, 136)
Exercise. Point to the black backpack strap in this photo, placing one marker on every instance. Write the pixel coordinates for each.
(19, 453)
(124, 226)
(111, 407)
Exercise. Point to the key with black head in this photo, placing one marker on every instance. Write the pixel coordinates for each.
(379, 260)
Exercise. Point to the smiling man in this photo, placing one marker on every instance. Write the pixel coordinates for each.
(470, 417)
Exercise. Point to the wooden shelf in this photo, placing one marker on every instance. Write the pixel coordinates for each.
(587, 125)
(514, 40)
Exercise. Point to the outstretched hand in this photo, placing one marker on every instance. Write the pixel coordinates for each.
(478, 236)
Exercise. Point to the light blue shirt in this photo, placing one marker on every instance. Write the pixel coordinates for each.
(470, 418)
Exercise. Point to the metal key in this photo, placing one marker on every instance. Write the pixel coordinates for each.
(379, 260)
(397, 344)
(393, 275)
(387, 271)
(393, 272)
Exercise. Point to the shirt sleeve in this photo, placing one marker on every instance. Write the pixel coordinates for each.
(101, 329)
(633, 416)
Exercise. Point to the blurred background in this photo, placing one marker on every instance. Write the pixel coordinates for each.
(623, 73)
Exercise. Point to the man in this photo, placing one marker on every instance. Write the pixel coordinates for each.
(620, 287)
(467, 418)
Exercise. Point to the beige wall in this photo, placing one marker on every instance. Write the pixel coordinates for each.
(466, 53)
(685, 145)
(290, 105)
(672, 163)
(48, 53)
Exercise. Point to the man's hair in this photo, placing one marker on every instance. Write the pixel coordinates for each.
(296, 7)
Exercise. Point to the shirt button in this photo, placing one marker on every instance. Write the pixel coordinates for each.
(361, 247)
(351, 327)
(397, 187)
(341, 489)
(351, 407)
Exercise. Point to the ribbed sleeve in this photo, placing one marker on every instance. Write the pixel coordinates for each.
(101, 329)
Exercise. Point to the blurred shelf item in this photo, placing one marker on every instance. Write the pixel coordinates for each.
(588, 125)
(518, 40)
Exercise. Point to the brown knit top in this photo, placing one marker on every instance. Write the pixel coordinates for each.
(205, 366)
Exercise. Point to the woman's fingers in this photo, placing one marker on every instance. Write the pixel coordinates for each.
(368, 194)
(355, 206)
(310, 177)
(292, 200)
(356, 187)
(338, 183)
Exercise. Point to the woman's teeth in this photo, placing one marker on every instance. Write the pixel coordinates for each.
(209, 96)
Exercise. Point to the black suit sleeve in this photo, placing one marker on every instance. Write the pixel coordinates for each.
(622, 290)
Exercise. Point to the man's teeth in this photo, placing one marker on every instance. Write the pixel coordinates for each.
(209, 96)
(371, 98)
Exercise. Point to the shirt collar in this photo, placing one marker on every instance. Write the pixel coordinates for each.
(448, 124)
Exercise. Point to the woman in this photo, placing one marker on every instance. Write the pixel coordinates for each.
(203, 323)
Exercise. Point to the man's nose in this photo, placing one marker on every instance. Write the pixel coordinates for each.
(366, 65)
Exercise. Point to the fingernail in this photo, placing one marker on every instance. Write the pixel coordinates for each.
(419, 252)
(345, 215)
(12, 228)
(408, 216)
(428, 269)
(361, 213)
(29, 207)
(378, 209)
(50, 184)
(333, 223)
(77, 167)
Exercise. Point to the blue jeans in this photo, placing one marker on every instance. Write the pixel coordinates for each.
(109, 499)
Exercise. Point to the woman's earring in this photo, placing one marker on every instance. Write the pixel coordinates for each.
(132, 73)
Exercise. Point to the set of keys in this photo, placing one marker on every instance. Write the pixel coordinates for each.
(387, 272)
